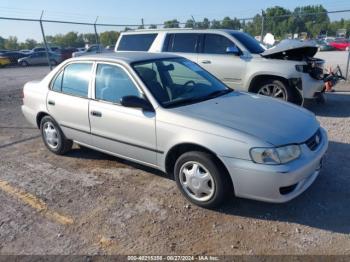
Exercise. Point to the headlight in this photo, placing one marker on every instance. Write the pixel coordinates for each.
(275, 156)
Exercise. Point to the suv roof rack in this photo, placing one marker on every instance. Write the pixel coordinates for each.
(160, 29)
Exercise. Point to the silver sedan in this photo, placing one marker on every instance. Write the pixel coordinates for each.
(167, 112)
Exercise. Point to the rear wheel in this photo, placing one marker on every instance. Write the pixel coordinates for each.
(201, 179)
(276, 89)
(53, 137)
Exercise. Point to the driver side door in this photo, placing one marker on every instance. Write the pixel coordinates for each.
(229, 68)
(127, 132)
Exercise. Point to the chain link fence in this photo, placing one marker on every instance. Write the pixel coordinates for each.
(300, 25)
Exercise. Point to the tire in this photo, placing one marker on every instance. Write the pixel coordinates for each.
(217, 185)
(276, 89)
(53, 138)
(24, 63)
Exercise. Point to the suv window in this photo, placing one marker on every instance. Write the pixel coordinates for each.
(76, 79)
(139, 42)
(216, 44)
(113, 83)
(184, 43)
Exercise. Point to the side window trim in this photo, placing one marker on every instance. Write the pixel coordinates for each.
(64, 68)
(93, 83)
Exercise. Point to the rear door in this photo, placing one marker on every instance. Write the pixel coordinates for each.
(127, 132)
(183, 44)
(68, 102)
(229, 68)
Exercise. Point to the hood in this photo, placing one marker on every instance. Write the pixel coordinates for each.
(269, 119)
(291, 50)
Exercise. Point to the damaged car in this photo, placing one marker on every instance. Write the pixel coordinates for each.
(288, 71)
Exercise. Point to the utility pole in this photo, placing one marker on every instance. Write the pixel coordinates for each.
(44, 38)
(96, 35)
(142, 23)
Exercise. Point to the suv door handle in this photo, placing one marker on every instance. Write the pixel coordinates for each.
(51, 102)
(206, 62)
(96, 113)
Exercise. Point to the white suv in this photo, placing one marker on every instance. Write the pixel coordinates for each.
(288, 71)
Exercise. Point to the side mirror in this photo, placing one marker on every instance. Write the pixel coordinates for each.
(136, 102)
(233, 50)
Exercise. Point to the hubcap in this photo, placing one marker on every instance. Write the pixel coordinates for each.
(51, 135)
(273, 90)
(197, 181)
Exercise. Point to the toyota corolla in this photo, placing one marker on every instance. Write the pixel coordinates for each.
(167, 112)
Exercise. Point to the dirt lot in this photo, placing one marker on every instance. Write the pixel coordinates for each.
(91, 203)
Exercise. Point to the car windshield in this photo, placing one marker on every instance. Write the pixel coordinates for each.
(252, 45)
(177, 81)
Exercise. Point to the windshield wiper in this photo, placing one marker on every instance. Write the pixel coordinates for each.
(219, 93)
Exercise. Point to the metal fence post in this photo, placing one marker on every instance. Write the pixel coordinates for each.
(262, 26)
(96, 35)
(45, 43)
(347, 67)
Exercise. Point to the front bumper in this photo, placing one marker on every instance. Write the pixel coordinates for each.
(310, 86)
(276, 183)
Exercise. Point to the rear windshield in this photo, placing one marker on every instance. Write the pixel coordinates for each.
(139, 42)
(250, 43)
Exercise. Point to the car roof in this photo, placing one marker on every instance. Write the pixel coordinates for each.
(127, 57)
(178, 30)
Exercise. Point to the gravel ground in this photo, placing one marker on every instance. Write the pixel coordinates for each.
(91, 203)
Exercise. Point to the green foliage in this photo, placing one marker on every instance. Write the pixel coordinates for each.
(109, 38)
(172, 24)
(279, 21)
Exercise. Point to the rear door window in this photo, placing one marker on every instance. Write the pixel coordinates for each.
(139, 42)
(183, 43)
(76, 78)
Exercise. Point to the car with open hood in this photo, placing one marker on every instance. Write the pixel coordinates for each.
(168, 113)
(239, 60)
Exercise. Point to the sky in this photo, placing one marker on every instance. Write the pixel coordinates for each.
(131, 12)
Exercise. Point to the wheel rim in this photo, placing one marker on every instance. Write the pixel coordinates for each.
(273, 90)
(51, 135)
(196, 181)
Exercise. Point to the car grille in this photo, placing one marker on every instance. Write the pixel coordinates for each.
(314, 141)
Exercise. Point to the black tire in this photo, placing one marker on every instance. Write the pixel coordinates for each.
(222, 181)
(288, 93)
(63, 144)
(24, 63)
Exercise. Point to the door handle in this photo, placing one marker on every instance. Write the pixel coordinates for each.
(206, 62)
(51, 102)
(96, 113)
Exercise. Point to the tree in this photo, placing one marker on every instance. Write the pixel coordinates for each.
(203, 25)
(28, 44)
(172, 24)
(190, 23)
(228, 23)
(11, 43)
(109, 38)
(215, 24)
(2, 42)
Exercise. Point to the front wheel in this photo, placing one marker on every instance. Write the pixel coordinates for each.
(53, 137)
(276, 89)
(24, 63)
(201, 179)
